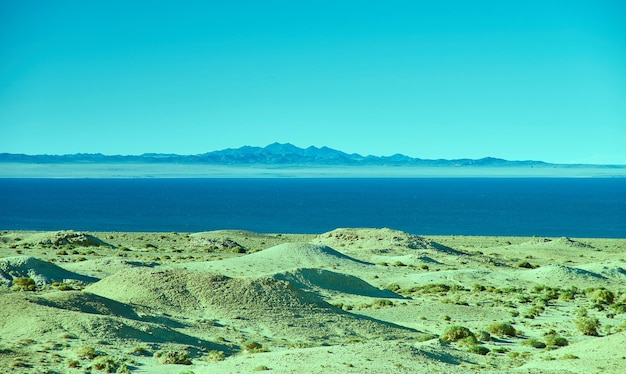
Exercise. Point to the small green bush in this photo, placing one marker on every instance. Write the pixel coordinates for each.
(427, 337)
(478, 288)
(502, 329)
(252, 346)
(501, 350)
(525, 264)
(469, 341)
(214, 356)
(456, 333)
(588, 325)
(431, 288)
(65, 287)
(478, 349)
(618, 308)
(86, 351)
(556, 340)
(603, 296)
(140, 351)
(173, 357)
(534, 343)
(110, 365)
(381, 303)
(483, 336)
(238, 250)
(24, 284)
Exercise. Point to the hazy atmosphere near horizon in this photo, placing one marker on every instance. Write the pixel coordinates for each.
(541, 80)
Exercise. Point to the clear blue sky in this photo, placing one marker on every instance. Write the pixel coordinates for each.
(526, 79)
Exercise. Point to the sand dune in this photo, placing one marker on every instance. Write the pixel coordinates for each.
(42, 272)
(321, 280)
(350, 300)
(284, 257)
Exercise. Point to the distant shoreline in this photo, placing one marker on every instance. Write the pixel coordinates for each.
(166, 170)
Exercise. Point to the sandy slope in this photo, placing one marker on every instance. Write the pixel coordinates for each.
(350, 300)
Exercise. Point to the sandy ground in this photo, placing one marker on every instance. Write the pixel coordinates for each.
(346, 301)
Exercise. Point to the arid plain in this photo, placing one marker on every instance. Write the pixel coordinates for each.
(346, 301)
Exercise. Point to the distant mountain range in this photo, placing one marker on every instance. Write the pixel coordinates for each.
(274, 154)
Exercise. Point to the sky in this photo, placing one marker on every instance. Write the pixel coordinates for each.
(541, 80)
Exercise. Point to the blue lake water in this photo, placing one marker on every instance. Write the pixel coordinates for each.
(593, 207)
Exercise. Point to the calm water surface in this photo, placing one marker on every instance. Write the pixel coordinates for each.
(438, 206)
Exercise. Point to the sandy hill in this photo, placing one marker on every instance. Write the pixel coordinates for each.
(69, 237)
(321, 280)
(74, 318)
(42, 272)
(284, 257)
(262, 304)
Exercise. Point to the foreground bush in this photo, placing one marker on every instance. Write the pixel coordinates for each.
(456, 333)
(552, 338)
(173, 357)
(110, 365)
(587, 325)
(478, 349)
(24, 284)
(502, 329)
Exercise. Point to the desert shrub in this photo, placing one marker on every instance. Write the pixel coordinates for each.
(252, 346)
(501, 350)
(534, 311)
(588, 325)
(525, 264)
(214, 356)
(603, 296)
(483, 336)
(567, 296)
(552, 338)
(427, 337)
(73, 364)
(569, 356)
(619, 308)
(261, 368)
(535, 343)
(380, 303)
(431, 288)
(393, 287)
(110, 365)
(502, 329)
(478, 287)
(65, 287)
(456, 333)
(140, 351)
(469, 341)
(238, 250)
(458, 288)
(86, 351)
(24, 284)
(173, 357)
(478, 349)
